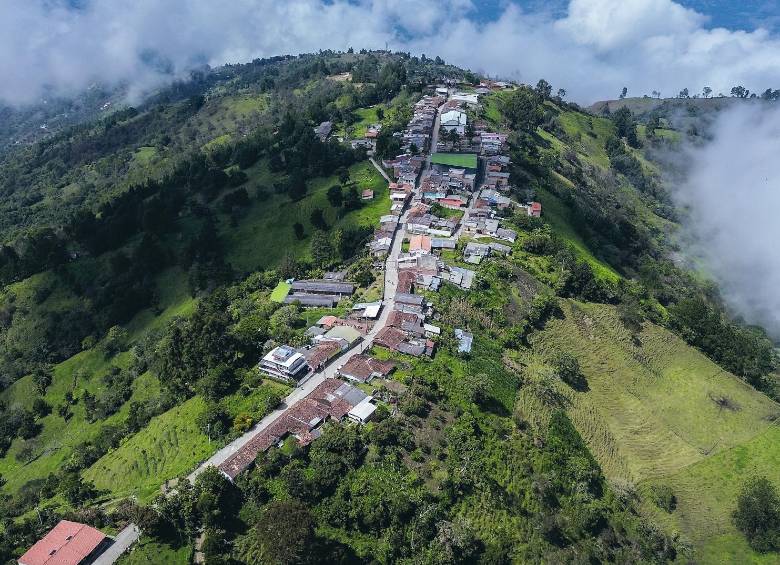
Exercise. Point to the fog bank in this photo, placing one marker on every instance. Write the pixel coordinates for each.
(733, 191)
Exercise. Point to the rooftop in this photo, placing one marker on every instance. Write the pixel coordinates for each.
(68, 543)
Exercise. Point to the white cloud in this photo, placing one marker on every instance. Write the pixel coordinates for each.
(733, 193)
(598, 47)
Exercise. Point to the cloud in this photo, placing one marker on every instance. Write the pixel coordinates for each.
(733, 193)
(593, 50)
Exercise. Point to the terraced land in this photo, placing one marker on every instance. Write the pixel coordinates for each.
(657, 411)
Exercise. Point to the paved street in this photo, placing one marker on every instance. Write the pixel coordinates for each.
(390, 288)
(122, 542)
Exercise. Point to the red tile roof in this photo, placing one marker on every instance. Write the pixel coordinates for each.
(362, 367)
(68, 543)
(300, 420)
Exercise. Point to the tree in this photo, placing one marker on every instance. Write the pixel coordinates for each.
(477, 388)
(115, 341)
(684, 93)
(334, 196)
(543, 88)
(298, 230)
(284, 535)
(42, 377)
(624, 92)
(561, 94)
(567, 367)
(706, 92)
(380, 113)
(321, 249)
(740, 92)
(757, 514)
(522, 109)
(317, 219)
(296, 189)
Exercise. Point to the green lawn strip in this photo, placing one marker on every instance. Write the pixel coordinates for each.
(649, 410)
(151, 552)
(467, 160)
(281, 291)
(589, 134)
(265, 234)
(169, 446)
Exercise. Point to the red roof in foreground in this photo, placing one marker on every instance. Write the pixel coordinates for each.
(68, 543)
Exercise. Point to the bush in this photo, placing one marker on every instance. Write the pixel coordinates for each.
(757, 514)
(663, 496)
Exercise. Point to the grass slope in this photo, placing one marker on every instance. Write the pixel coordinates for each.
(649, 416)
(83, 371)
(265, 234)
(170, 445)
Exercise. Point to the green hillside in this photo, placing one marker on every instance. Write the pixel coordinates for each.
(657, 411)
(610, 409)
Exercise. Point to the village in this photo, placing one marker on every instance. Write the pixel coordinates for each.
(449, 184)
(450, 195)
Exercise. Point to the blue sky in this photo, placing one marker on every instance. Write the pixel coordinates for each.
(731, 14)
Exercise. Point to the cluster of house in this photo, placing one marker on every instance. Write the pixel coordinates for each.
(419, 130)
(448, 186)
(368, 141)
(325, 292)
(406, 330)
(333, 399)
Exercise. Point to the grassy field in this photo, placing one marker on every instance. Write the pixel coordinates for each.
(281, 291)
(264, 235)
(467, 160)
(83, 371)
(149, 552)
(652, 414)
(557, 215)
(589, 135)
(169, 446)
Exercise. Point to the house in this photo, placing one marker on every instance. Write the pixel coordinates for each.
(412, 299)
(323, 286)
(431, 330)
(326, 293)
(535, 209)
(465, 340)
(464, 278)
(367, 194)
(343, 333)
(454, 120)
(500, 248)
(363, 411)
(319, 355)
(369, 310)
(362, 368)
(331, 399)
(506, 234)
(475, 252)
(491, 227)
(285, 363)
(442, 243)
(67, 543)
(465, 98)
(419, 244)
(323, 130)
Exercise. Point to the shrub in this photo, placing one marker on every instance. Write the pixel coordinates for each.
(757, 514)
(663, 496)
